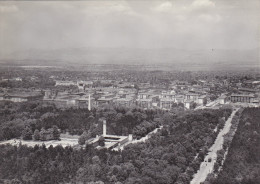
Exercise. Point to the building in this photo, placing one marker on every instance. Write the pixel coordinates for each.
(107, 98)
(103, 100)
(84, 84)
(168, 94)
(65, 83)
(192, 96)
(67, 100)
(223, 99)
(202, 100)
(143, 96)
(166, 103)
(247, 90)
(242, 98)
(179, 99)
(111, 141)
(188, 104)
(18, 79)
(85, 102)
(225, 82)
(144, 100)
(21, 96)
(127, 102)
(50, 94)
(144, 103)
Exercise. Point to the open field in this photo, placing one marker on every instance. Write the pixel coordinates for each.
(65, 141)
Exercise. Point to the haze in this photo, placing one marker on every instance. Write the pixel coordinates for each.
(130, 31)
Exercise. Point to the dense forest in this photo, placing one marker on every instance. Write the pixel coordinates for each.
(242, 165)
(16, 117)
(172, 155)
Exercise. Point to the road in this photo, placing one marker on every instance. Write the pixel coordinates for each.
(207, 167)
(209, 105)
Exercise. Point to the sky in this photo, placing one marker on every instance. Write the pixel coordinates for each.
(155, 24)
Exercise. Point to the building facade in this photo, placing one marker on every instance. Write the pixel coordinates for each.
(242, 98)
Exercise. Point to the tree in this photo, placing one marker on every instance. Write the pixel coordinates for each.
(216, 167)
(95, 160)
(81, 140)
(56, 133)
(101, 141)
(84, 137)
(42, 134)
(164, 132)
(27, 133)
(194, 105)
(181, 105)
(36, 135)
(183, 178)
(190, 171)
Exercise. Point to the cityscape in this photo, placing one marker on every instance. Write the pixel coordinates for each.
(129, 92)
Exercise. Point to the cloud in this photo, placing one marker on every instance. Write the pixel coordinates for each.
(122, 8)
(164, 7)
(203, 4)
(210, 18)
(160, 24)
(184, 8)
(183, 11)
(8, 8)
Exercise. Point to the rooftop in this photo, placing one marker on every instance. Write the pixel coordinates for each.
(124, 99)
(192, 94)
(144, 100)
(243, 95)
(223, 97)
(188, 101)
(105, 99)
(166, 100)
(203, 96)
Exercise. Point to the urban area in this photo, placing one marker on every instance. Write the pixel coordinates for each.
(119, 124)
(129, 92)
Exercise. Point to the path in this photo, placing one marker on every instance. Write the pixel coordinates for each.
(207, 167)
(65, 141)
(143, 139)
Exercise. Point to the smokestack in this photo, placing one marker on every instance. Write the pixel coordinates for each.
(104, 128)
(89, 103)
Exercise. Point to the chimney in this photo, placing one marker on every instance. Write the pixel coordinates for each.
(104, 128)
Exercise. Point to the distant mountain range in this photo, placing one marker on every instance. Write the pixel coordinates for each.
(209, 59)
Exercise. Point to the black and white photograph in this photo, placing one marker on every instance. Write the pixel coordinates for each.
(129, 91)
